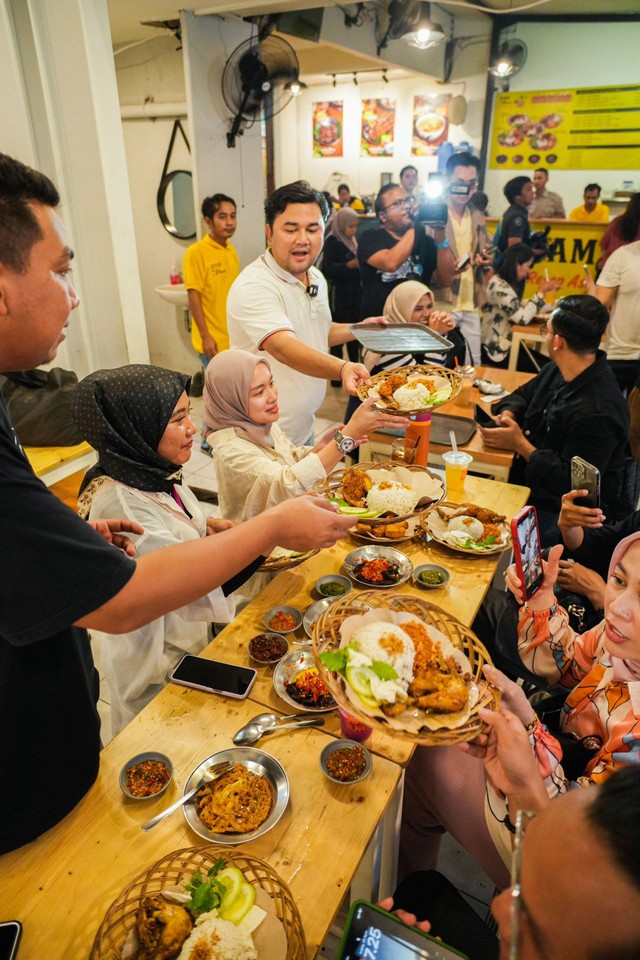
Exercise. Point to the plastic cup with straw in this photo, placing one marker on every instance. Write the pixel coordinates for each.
(456, 464)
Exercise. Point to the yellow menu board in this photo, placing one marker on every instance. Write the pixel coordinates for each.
(593, 128)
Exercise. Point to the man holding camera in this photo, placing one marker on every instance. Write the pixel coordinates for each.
(398, 251)
(465, 235)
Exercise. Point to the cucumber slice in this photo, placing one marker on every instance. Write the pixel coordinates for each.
(241, 905)
(231, 878)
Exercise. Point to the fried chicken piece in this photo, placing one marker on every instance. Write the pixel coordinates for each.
(394, 531)
(355, 485)
(436, 683)
(471, 510)
(394, 709)
(162, 927)
(390, 384)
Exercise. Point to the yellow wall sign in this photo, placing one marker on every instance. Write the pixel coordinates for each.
(587, 129)
(572, 246)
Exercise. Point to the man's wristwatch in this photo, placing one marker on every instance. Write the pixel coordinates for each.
(345, 444)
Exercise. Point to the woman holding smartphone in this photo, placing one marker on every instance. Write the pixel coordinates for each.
(137, 419)
(504, 308)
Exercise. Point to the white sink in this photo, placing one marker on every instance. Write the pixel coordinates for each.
(174, 293)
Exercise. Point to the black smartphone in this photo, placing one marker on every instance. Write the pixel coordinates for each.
(584, 476)
(526, 550)
(374, 934)
(10, 933)
(463, 262)
(482, 418)
(214, 676)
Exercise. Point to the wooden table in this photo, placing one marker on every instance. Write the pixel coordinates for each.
(524, 333)
(470, 579)
(61, 886)
(52, 464)
(494, 463)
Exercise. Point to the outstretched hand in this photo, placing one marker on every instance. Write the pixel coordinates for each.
(114, 532)
(409, 919)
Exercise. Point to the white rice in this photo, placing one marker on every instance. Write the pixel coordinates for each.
(392, 496)
(370, 641)
(219, 940)
(468, 525)
(414, 394)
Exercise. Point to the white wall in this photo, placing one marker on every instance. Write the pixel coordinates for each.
(294, 131)
(569, 55)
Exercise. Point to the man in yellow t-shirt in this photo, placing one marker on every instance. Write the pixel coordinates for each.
(210, 266)
(591, 210)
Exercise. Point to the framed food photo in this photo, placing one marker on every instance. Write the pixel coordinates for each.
(378, 128)
(430, 123)
(327, 118)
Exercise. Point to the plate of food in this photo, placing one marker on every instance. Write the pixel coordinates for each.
(297, 681)
(544, 141)
(378, 567)
(518, 119)
(283, 559)
(406, 667)
(511, 138)
(242, 804)
(411, 390)
(199, 898)
(552, 120)
(384, 497)
(468, 528)
(430, 126)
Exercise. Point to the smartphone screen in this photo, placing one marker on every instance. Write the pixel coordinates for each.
(213, 676)
(481, 417)
(463, 262)
(10, 933)
(374, 934)
(526, 549)
(584, 476)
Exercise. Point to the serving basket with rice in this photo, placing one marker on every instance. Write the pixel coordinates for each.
(373, 635)
(409, 391)
(173, 870)
(391, 493)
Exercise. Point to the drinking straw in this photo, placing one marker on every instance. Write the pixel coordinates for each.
(457, 362)
(546, 274)
(454, 445)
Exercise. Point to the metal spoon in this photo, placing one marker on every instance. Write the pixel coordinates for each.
(252, 732)
(269, 720)
(211, 774)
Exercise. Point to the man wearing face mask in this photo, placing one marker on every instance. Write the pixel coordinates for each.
(398, 251)
(466, 238)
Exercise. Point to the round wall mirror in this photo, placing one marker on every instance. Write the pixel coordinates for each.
(175, 204)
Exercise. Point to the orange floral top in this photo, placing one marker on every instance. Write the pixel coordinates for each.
(599, 703)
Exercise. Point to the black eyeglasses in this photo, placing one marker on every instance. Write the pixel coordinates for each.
(398, 203)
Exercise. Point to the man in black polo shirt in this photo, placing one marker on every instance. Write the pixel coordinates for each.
(573, 407)
(397, 251)
(59, 576)
(514, 227)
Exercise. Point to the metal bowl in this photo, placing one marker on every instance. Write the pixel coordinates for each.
(321, 583)
(257, 762)
(139, 757)
(286, 670)
(374, 553)
(430, 586)
(273, 660)
(312, 613)
(271, 613)
(339, 745)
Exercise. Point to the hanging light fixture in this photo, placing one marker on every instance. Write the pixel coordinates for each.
(510, 59)
(295, 85)
(424, 32)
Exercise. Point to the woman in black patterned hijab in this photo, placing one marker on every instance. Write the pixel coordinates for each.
(124, 413)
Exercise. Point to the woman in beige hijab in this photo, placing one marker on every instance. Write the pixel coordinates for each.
(256, 464)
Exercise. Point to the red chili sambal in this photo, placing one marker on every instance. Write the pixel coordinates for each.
(147, 777)
(347, 764)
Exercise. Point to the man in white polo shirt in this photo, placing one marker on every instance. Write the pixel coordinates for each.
(279, 304)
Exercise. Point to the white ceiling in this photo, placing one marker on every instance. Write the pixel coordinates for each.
(319, 60)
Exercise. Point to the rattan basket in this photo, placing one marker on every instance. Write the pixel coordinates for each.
(326, 637)
(285, 563)
(180, 865)
(429, 371)
(430, 526)
(330, 485)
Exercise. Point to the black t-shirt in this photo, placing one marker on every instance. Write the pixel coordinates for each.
(515, 223)
(378, 284)
(55, 570)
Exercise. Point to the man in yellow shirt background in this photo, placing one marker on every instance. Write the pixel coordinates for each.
(591, 211)
(210, 266)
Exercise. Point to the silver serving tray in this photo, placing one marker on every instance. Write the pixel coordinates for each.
(257, 762)
(399, 338)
